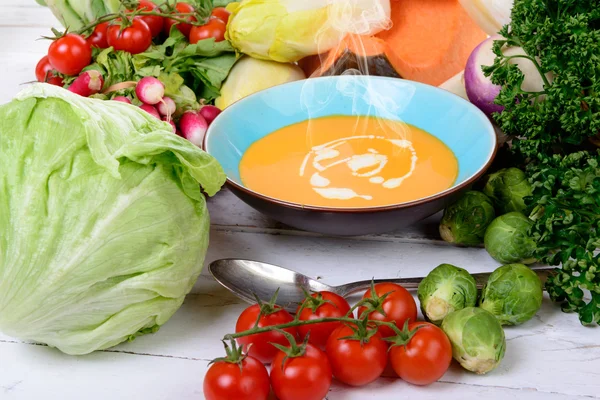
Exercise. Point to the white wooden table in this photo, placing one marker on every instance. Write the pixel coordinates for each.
(551, 357)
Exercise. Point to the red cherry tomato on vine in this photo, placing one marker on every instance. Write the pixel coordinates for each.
(261, 348)
(43, 73)
(399, 306)
(134, 39)
(99, 38)
(335, 307)
(355, 363)
(221, 13)
(214, 28)
(306, 377)
(70, 54)
(182, 8)
(154, 22)
(225, 380)
(425, 358)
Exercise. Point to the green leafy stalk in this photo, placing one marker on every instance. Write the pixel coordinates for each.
(562, 39)
(565, 207)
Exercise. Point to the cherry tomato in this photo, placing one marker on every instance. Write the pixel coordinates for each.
(134, 39)
(182, 8)
(261, 348)
(425, 358)
(225, 380)
(154, 22)
(355, 363)
(43, 73)
(221, 13)
(214, 28)
(399, 306)
(306, 377)
(335, 306)
(70, 54)
(99, 38)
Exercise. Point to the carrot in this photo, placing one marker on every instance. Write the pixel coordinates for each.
(431, 39)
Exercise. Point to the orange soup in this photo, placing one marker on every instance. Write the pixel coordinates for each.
(348, 161)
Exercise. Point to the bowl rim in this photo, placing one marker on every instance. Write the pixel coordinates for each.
(350, 210)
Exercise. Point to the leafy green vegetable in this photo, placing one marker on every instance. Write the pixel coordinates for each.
(507, 239)
(563, 38)
(478, 341)
(75, 14)
(552, 132)
(103, 225)
(565, 207)
(446, 289)
(513, 294)
(204, 65)
(507, 188)
(465, 221)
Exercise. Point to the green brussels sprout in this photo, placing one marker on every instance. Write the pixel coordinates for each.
(513, 294)
(507, 188)
(465, 221)
(477, 338)
(446, 289)
(507, 239)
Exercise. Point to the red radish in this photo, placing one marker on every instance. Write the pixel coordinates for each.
(170, 121)
(150, 110)
(193, 126)
(87, 84)
(209, 113)
(122, 99)
(150, 90)
(166, 107)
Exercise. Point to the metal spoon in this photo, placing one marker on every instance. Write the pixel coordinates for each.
(247, 278)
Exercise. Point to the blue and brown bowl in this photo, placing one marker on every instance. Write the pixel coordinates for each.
(453, 120)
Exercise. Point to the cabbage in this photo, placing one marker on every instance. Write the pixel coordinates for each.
(288, 30)
(103, 225)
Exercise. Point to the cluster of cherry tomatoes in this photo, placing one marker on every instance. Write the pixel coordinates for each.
(353, 351)
(72, 52)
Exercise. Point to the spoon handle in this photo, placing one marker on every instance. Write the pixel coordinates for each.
(413, 283)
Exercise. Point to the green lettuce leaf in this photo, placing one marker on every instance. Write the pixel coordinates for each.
(103, 224)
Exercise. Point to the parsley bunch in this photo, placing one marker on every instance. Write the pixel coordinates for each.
(562, 38)
(552, 132)
(565, 207)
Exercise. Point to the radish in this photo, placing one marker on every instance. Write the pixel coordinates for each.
(166, 107)
(170, 121)
(209, 113)
(87, 84)
(481, 91)
(122, 99)
(193, 127)
(150, 110)
(150, 90)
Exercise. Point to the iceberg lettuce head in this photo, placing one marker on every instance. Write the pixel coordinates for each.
(103, 222)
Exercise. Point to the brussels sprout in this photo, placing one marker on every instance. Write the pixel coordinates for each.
(446, 289)
(478, 341)
(507, 188)
(465, 221)
(513, 294)
(507, 239)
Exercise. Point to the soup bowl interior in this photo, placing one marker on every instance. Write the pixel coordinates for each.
(453, 120)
